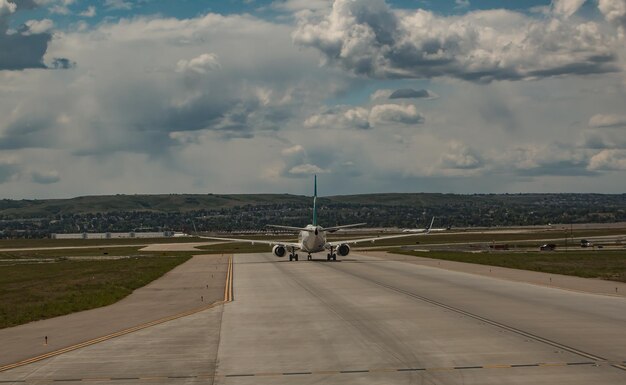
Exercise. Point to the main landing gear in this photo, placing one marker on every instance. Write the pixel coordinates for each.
(293, 256)
(309, 258)
(331, 256)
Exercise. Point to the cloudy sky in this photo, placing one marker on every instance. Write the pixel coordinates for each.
(237, 96)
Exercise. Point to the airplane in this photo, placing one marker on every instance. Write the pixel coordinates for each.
(312, 238)
(423, 230)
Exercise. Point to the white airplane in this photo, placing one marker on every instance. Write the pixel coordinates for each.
(424, 230)
(312, 238)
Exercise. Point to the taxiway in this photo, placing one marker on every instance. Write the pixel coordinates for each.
(364, 320)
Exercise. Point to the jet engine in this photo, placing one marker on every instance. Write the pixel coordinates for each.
(279, 251)
(343, 249)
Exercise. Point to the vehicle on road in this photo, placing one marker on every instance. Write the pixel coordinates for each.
(547, 247)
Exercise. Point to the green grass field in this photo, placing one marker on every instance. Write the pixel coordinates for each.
(30, 292)
(488, 237)
(610, 265)
(33, 243)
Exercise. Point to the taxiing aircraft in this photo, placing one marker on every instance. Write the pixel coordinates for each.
(430, 229)
(312, 238)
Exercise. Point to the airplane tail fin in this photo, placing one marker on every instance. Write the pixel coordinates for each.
(314, 202)
(430, 226)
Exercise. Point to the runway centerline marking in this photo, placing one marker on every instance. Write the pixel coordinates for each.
(539, 366)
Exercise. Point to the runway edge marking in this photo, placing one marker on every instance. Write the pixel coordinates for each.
(228, 297)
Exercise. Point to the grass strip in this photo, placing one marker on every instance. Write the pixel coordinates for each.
(609, 265)
(46, 242)
(30, 292)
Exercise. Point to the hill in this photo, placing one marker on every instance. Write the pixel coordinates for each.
(253, 211)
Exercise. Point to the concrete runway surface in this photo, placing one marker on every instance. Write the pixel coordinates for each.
(364, 321)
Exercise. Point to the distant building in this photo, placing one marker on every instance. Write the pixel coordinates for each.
(154, 234)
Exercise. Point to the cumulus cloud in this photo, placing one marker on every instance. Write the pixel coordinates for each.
(300, 5)
(460, 156)
(567, 8)
(33, 27)
(536, 160)
(610, 160)
(306, 169)
(340, 117)
(6, 8)
(369, 38)
(89, 12)
(607, 120)
(26, 47)
(199, 65)
(118, 5)
(462, 4)
(615, 12)
(158, 104)
(365, 118)
(395, 113)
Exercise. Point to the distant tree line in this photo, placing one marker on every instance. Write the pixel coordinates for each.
(490, 210)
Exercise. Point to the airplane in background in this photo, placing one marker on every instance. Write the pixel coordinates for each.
(312, 238)
(431, 230)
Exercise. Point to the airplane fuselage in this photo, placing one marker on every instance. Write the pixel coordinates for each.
(313, 241)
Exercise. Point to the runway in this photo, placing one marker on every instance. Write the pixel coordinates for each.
(368, 321)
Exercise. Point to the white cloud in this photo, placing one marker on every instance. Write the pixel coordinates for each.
(340, 117)
(459, 156)
(365, 117)
(307, 169)
(123, 5)
(199, 65)
(122, 122)
(610, 120)
(38, 26)
(301, 5)
(295, 149)
(459, 4)
(608, 160)
(567, 8)
(395, 113)
(60, 7)
(89, 12)
(615, 12)
(6, 8)
(368, 38)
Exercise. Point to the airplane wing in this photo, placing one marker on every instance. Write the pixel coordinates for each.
(291, 228)
(254, 241)
(335, 228)
(375, 239)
